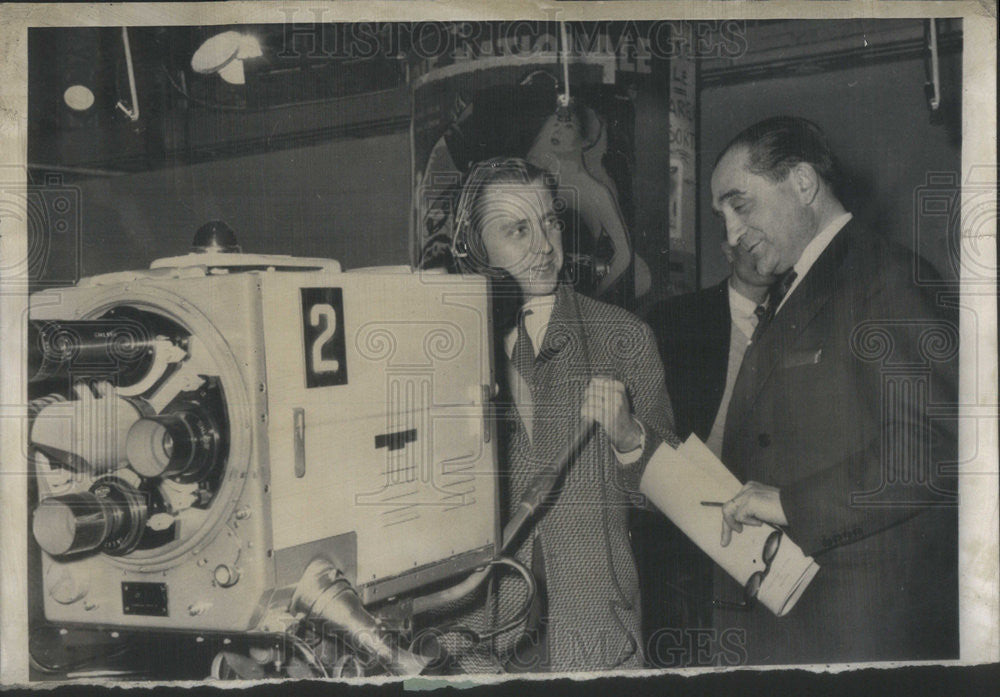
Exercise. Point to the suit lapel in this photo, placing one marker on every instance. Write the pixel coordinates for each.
(559, 365)
(564, 328)
(764, 355)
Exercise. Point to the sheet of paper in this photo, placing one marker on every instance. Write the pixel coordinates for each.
(677, 481)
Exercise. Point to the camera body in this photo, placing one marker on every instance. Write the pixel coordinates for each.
(211, 425)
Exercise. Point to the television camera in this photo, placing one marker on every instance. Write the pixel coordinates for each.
(263, 447)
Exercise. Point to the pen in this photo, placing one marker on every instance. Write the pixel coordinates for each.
(717, 504)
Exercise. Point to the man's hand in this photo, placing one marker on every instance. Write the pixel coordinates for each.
(755, 504)
(606, 402)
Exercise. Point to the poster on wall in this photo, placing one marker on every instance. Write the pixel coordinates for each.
(676, 182)
(502, 93)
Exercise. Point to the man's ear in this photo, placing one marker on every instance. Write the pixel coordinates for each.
(806, 182)
(727, 251)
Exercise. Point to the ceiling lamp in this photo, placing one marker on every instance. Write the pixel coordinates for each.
(78, 97)
(77, 65)
(224, 54)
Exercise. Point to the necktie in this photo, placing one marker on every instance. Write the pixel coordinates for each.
(778, 292)
(523, 358)
(523, 355)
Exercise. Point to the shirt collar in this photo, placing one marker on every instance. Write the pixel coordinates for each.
(739, 303)
(742, 311)
(813, 251)
(539, 309)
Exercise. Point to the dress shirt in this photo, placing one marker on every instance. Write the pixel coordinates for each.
(744, 319)
(743, 312)
(539, 312)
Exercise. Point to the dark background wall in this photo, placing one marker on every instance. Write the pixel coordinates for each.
(347, 200)
(346, 195)
(878, 123)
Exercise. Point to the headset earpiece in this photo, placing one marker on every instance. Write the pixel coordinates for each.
(466, 247)
(460, 245)
(460, 238)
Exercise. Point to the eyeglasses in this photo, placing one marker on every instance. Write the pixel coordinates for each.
(756, 580)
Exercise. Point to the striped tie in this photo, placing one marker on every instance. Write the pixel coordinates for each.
(778, 292)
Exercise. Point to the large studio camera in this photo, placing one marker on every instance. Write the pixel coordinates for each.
(237, 443)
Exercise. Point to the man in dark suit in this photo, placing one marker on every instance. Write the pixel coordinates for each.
(702, 337)
(842, 420)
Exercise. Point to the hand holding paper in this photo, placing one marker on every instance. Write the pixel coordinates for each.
(679, 482)
(755, 504)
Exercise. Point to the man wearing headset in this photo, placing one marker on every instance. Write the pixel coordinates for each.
(567, 361)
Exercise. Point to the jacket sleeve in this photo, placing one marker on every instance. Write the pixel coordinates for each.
(641, 371)
(903, 362)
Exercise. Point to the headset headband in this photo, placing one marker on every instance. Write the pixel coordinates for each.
(460, 247)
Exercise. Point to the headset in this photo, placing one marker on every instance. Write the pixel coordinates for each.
(468, 250)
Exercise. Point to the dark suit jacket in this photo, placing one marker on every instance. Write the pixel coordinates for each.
(843, 404)
(692, 331)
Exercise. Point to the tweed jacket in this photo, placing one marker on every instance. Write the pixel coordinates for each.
(592, 588)
(845, 402)
(592, 597)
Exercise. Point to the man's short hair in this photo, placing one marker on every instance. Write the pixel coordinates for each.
(774, 146)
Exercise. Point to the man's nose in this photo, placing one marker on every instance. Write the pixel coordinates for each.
(734, 230)
(543, 245)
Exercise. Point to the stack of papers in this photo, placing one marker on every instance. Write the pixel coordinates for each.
(677, 481)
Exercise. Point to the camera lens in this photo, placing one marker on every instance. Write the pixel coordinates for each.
(111, 516)
(183, 445)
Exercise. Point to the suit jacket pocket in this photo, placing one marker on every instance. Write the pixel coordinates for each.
(801, 357)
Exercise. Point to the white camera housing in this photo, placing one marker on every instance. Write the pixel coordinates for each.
(356, 415)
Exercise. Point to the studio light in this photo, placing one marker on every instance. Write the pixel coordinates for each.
(224, 54)
(80, 78)
(78, 97)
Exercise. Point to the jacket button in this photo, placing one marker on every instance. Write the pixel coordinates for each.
(763, 439)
